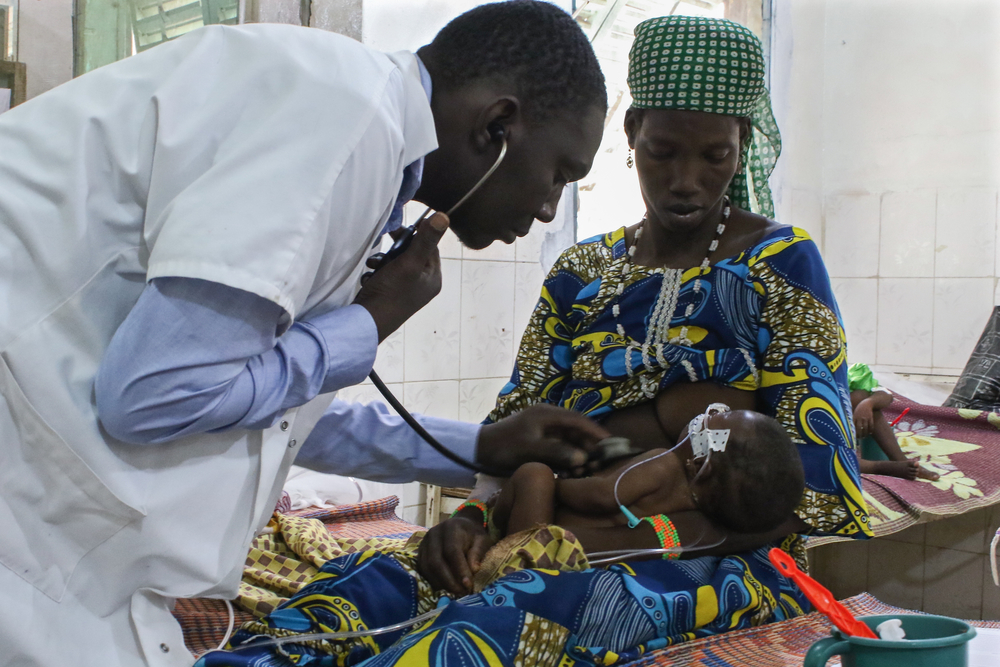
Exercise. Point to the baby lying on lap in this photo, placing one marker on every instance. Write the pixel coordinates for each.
(739, 468)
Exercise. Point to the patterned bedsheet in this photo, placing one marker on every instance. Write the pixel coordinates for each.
(779, 645)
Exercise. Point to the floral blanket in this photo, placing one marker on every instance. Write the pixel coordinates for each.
(960, 445)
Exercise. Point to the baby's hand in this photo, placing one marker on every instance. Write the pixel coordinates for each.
(864, 419)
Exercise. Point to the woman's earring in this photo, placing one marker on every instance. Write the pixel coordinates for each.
(629, 162)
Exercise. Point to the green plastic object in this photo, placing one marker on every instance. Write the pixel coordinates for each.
(870, 451)
(859, 376)
(931, 641)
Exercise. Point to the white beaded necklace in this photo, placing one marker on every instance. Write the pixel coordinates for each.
(658, 329)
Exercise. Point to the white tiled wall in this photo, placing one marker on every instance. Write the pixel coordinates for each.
(879, 165)
(914, 274)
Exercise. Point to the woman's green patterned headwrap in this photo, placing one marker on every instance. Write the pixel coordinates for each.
(715, 66)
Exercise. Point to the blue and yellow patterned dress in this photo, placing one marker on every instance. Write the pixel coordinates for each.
(765, 320)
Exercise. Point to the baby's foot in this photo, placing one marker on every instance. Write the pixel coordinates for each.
(908, 469)
(924, 473)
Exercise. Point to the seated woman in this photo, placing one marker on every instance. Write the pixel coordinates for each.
(702, 291)
(738, 468)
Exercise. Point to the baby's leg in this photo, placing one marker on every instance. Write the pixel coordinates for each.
(905, 469)
(527, 499)
(885, 438)
(897, 465)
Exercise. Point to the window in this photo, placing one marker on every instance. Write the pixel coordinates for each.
(105, 32)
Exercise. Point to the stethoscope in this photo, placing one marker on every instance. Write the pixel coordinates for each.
(399, 246)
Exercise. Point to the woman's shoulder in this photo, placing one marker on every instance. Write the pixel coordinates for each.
(594, 253)
(783, 244)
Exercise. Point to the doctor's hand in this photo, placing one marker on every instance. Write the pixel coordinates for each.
(407, 283)
(560, 438)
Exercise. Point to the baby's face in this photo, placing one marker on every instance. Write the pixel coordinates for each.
(740, 425)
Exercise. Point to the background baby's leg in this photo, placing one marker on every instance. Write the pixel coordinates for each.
(897, 465)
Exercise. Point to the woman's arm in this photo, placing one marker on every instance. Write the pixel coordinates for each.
(803, 381)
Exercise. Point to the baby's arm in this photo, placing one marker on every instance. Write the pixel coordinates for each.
(527, 499)
(596, 495)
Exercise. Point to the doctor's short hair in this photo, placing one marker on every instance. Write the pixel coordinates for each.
(533, 43)
(758, 482)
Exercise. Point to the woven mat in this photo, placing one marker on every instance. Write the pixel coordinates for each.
(777, 645)
(204, 622)
(962, 446)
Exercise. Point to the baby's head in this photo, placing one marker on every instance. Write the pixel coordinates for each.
(757, 482)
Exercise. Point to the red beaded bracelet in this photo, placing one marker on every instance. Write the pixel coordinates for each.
(666, 533)
(479, 505)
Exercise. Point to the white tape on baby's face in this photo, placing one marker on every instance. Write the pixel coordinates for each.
(705, 440)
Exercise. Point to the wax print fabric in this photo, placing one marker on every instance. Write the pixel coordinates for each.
(765, 320)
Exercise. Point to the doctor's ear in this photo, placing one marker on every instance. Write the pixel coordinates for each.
(496, 121)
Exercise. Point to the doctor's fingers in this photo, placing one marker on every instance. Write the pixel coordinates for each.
(568, 425)
(430, 230)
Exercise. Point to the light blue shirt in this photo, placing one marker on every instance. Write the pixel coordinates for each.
(195, 356)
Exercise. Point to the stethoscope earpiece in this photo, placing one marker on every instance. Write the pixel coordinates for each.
(496, 130)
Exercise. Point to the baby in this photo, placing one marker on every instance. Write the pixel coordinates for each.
(739, 468)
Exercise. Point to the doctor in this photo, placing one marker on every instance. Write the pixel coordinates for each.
(182, 234)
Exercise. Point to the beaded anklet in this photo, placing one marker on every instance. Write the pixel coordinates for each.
(666, 533)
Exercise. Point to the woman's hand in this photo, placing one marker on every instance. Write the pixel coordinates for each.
(864, 419)
(451, 553)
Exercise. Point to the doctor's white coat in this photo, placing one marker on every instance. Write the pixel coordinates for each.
(263, 157)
